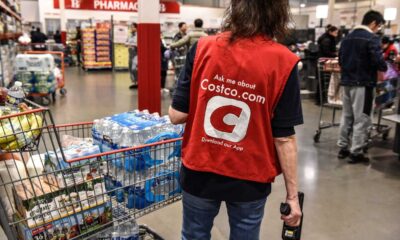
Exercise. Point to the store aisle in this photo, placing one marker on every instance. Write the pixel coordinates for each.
(338, 196)
(96, 94)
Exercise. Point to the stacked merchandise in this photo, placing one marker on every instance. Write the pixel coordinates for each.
(145, 176)
(71, 47)
(10, 30)
(121, 56)
(121, 50)
(7, 58)
(69, 200)
(89, 47)
(103, 46)
(96, 47)
(37, 73)
(10, 19)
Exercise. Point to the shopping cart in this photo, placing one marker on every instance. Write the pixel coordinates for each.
(330, 97)
(60, 78)
(86, 196)
(179, 64)
(326, 68)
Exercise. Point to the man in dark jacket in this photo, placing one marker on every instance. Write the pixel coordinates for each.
(38, 40)
(57, 37)
(361, 60)
(182, 32)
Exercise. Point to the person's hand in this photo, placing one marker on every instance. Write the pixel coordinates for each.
(294, 218)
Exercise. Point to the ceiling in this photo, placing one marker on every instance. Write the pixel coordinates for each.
(296, 3)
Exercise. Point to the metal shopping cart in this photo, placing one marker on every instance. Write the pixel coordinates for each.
(179, 63)
(330, 98)
(82, 197)
(327, 67)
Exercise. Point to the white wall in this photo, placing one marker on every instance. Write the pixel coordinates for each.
(30, 10)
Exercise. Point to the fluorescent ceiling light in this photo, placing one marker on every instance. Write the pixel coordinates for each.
(303, 5)
(322, 11)
(390, 14)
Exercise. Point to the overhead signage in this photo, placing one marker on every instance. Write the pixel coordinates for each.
(115, 5)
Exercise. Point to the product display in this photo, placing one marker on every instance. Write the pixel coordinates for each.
(7, 60)
(10, 30)
(120, 48)
(96, 45)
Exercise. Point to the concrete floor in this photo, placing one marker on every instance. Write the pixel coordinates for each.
(359, 202)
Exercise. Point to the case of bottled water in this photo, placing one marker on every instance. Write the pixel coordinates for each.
(135, 177)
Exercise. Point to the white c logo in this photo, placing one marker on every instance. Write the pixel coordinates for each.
(238, 122)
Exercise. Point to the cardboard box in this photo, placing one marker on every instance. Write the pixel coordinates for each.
(67, 227)
(41, 200)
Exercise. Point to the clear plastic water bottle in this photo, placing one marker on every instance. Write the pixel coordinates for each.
(134, 230)
(146, 134)
(126, 231)
(126, 140)
(120, 194)
(15, 96)
(115, 234)
(96, 132)
(116, 135)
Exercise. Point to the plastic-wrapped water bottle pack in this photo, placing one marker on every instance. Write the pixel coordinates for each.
(149, 174)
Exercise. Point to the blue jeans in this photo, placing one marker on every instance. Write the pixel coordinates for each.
(198, 218)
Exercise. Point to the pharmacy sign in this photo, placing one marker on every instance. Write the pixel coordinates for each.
(115, 5)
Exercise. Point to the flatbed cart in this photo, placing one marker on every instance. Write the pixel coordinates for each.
(386, 93)
(87, 197)
(45, 100)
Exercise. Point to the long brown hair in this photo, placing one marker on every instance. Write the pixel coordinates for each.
(249, 18)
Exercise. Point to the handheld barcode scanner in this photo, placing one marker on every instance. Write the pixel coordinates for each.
(292, 233)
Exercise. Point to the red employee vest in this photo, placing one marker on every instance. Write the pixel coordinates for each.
(234, 90)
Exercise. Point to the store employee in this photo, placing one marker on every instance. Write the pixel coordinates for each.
(240, 98)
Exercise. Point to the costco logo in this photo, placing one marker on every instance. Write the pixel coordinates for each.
(76, 3)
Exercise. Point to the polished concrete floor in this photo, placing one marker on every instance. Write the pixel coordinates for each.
(360, 202)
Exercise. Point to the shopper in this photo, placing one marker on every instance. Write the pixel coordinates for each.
(389, 49)
(57, 37)
(361, 59)
(239, 97)
(133, 58)
(164, 67)
(33, 31)
(192, 37)
(78, 39)
(327, 43)
(181, 51)
(38, 40)
(326, 49)
(182, 32)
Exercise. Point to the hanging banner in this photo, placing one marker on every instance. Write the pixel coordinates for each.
(115, 5)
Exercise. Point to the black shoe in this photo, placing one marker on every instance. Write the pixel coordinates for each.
(359, 158)
(133, 86)
(343, 153)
